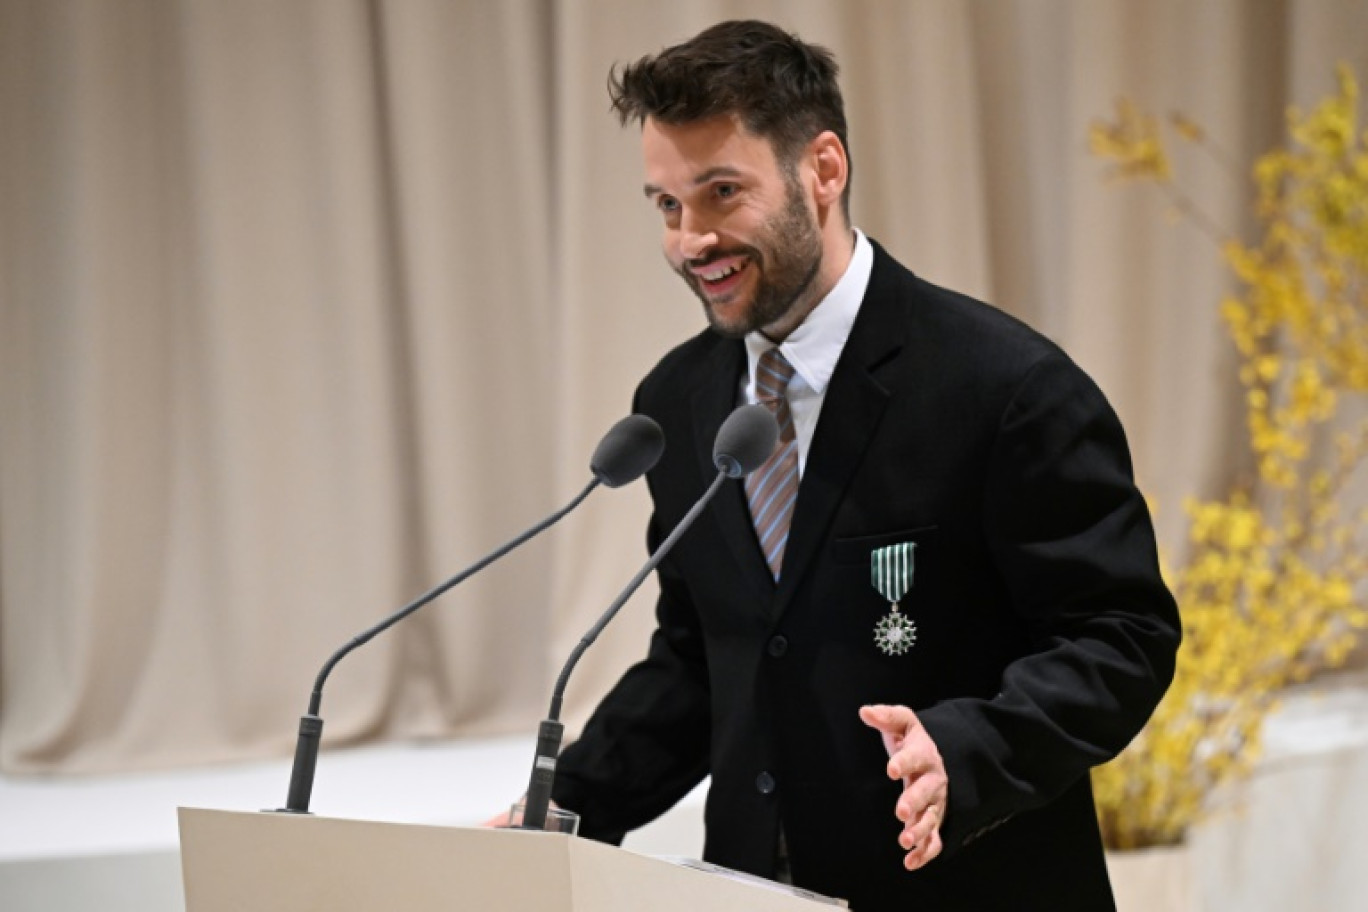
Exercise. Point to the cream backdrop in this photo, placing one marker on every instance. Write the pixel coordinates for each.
(306, 305)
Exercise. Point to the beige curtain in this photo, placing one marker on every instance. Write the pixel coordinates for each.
(306, 305)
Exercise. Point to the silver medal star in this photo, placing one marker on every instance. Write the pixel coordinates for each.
(895, 634)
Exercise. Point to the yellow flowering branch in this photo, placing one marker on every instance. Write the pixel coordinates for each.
(1136, 149)
(1275, 588)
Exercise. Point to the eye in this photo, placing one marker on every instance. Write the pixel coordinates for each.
(667, 204)
(727, 191)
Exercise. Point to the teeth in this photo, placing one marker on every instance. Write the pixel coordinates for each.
(720, 274)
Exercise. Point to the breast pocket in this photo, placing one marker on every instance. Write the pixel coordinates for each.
(857, 549)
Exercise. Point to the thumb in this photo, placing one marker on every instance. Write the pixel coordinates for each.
(891, 720)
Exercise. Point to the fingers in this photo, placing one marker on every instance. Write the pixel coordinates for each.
(916, 757)
(923, 852)
(921, 807)
(497, 821)
(921, 794)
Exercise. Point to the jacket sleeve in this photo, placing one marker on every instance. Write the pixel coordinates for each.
(647, 744)
(1072, 538)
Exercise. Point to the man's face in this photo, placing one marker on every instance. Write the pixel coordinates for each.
(738, 229)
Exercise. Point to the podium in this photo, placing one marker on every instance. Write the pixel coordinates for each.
(243, 862)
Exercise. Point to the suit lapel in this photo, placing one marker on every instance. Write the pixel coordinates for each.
(855, 401)
(713, 401)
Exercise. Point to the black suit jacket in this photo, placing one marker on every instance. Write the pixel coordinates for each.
(1045, 634)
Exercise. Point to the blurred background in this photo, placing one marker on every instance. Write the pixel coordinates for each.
(307, 304)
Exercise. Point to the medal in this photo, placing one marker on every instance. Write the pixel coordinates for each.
(891, 574)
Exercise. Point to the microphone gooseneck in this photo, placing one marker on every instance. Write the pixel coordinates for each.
(741, 446)
(629, 450)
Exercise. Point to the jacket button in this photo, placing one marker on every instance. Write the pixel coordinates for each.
(778, 645)
(764, 784)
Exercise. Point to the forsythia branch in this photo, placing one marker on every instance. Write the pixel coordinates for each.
(1275, 588)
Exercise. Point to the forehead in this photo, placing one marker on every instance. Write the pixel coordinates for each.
(677, 154)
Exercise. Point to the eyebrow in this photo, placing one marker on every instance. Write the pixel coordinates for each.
(711, 174)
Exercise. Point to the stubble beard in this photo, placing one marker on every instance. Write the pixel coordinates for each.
(787, 263)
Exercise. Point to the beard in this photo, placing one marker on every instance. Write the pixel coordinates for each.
(786, 256)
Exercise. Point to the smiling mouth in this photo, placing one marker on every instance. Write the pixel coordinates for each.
(722, 277)
(718, 275)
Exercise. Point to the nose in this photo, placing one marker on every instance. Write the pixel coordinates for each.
(696, 237)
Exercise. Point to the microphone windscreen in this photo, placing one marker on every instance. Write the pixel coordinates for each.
(745, 440)
(629, 450)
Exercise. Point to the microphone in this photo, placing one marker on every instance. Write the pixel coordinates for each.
(629, 450)
(745, 440)
(743, 443)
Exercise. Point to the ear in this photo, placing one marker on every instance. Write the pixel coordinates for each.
(830, 169)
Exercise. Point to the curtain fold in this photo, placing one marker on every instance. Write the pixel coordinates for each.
(306, 306)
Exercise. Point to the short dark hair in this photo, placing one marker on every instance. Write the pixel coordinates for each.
(779, 87)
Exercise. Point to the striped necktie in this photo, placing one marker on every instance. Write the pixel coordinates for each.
(772, 489)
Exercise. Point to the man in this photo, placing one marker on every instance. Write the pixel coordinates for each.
(898, 677)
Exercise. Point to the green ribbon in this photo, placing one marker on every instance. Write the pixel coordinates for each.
(891, 570)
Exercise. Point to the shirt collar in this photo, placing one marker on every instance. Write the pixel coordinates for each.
(814, 347)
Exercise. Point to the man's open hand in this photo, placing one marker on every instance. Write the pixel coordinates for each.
(913, 758)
